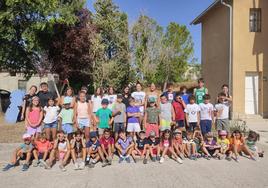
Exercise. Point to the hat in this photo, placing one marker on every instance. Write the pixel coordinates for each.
(119, 96)
(93, 134)
(152, 134)
(26, 135)
(66, 103)
(223, 133)
(151, 100)
(104, 101)
(177, 131)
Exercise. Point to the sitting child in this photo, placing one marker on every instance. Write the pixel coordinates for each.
(210, 147)
(199, 141)
(41, 151)
(61, 151)
(190, 146)
(178, 146)
(167, 148)
(140, 150)
(94, 152)
(23, 152)
(153, 144)
(251, 140)
(224, 144)
(78, 150)
(107, 145)
(124, 146)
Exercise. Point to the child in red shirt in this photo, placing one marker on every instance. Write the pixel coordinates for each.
(107, 145)
(179, 106)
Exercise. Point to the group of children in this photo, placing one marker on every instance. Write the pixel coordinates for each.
(140, 126)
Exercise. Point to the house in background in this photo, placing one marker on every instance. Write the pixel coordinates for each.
(235, 51)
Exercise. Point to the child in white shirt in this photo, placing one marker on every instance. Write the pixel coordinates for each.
(192, 111)
(206, 115)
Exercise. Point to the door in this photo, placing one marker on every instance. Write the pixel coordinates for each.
(251, 93)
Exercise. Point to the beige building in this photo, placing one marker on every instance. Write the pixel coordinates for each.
(235, 52)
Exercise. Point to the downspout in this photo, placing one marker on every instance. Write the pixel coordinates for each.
(230, 45)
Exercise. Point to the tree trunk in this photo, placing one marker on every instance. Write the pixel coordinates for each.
(165, 83)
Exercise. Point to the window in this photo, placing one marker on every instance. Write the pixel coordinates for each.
(22, 84)
(255, 20)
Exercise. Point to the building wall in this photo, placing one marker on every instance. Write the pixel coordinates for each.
(249, 53)
(215, 49)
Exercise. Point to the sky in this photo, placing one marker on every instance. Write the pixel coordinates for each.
(164, 12)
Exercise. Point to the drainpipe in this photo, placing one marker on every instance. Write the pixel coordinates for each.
(230, 45)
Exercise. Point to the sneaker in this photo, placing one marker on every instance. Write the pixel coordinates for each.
(228, 158)
(207, 157)
(42, 163)
(182, 156)
(153, 159)
(104, 164)
(236, 159)
(135, 161)
(7, 167)
(193, 157)
(81, 165)
(128, 159)
(253, 158)
(158, 158)
(121, 159)
(161, 160)
(145, 161)
(94, 161)
(76, 165)
(91, 165)
(109, 161)
(63, 169)
(179, 160)
(48, 165)
(25, 167)
(220, 157)
(35, 163)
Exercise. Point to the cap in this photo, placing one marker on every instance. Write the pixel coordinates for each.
(26, 135)
(177, 131)
(151, 100)
(223, 133)
(152, 134)
(119, 96)
(104, 101)
(93, 134)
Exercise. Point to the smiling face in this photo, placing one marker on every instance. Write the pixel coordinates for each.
(44, 87)
(32, 90)
(69, 92)
(138, 87)
(78, 137)
(178, 136)
(122, 135)
(152, 87)
(82, 97)
(107, 135)
(225, 89)
(61, 137)
(163, 99)
(166, 136)
(35, 101)
(27, 141)
(126, 90)
(51, 102)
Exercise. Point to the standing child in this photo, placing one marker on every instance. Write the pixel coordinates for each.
(222, 109)
(184, 95)
(133, 113)
(66, 119)
(68, 97)
(179, 106)
(200, 91)
(192, 111)
(167, 114)
(167, 148)
(23, 152)
(153, 144)
(224, 144)
(124, 146)
(140, 150)
(206, 115)
(51, 116)
(152, 117)
(103, 117)
(119, 114)
(107, 145)
(178, 145)
(210, 147)
(78, 150)
(34, 116)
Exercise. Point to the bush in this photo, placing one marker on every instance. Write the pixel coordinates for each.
(238, 124)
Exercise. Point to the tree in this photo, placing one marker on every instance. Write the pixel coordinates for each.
(26, 28)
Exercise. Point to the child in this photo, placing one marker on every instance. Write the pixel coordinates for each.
(184, 95)
(222, 109)
(190, 146)
(152, 93)
(238, 145)
(103, 117)
(167, 148)
(94, 152)
(251, 140)
(152, 117)
(167, 114)
(169, 94)
(51, 116)
(78, 150)
(83, 114)
(178, 145)
(124, 146)
(34, 116)
(179, 106)
(41, 150)
(199, 141)
(119, 114)
(68, 97)
(210, 147)
(107, 145)
(23, 152)
(139, 98)
(192, 111)
(200, 91)
(61, 151)
(140, 150)
(206, 115)
(66, 119)
(224, 144)
(133, 114)
(153, 144)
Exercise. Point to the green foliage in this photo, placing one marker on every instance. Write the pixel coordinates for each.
(237, 124)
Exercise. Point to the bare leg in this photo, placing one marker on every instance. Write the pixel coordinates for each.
(54, 133)
(47, 131)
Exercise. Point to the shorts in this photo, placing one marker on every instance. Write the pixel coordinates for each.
(192, 126)
(165, 124)
(222, 124)
(152, 127)
(154, 151)
(205, 126)
(180, 123)
(67, 128)
(211, 151)
(51, 125)
(133, 127)
(33, 131)
(83, 122)
(118, 127)
(23, 156)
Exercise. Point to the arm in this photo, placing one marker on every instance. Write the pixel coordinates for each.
(173, 114)
(145, 119)
(75, 116)
(198, 119)
(73, 102)
(23, 109)
(41, 117)
(27, 117)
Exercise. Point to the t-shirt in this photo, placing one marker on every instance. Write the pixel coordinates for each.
(104, 115)
(44, 96)
(34, 117)
(223, 109)
(124, 143)
(178, 141)
(42, 147)
(223, 143)
(170, 96)
(28, 99)
(205, 111)
(153, 143)
(51, 114)
(93, 145)
(152, 95)
(106, 142)
(192, 110)
(185, 98)
(165, 143)
(166, 109)
(133, 109)
(141, 143)
(211, 145)
(120, 117)
(139, 97)
(96, 100)
(152, 114)
(67, 115)
(112, 100)
(199, 94)
(26, 147)
(126, 100)
(179, 110)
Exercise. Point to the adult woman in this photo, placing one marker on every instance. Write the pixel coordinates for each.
(68, 97)
(28, 99)
(111, 97)
(139, 97)
(126, 96)
(96, 99)
(152, 93)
